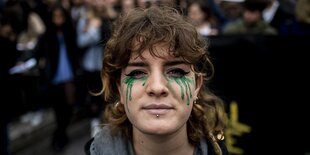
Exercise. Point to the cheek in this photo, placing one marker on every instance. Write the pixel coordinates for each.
(130, 93)
(131, 90)
(183, 89)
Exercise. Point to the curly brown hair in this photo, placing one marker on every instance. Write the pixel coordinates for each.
(149, 27)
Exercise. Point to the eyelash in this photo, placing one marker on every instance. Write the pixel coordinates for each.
(174, 73)
(136, 74)
(177, 73)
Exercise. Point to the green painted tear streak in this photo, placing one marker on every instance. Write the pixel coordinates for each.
(169, 86)
(129, 81)
(188, 86)
(184, 84)
(178, 81)
(186, 90)
(144, 81)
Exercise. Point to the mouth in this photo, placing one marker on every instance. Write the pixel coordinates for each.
(157, 109)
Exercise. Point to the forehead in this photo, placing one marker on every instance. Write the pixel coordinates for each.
(159, 53)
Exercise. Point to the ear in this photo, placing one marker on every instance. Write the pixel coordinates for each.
(199, 83)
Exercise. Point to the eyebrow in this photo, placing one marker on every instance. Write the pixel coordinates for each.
(168, 63)
(172, 63)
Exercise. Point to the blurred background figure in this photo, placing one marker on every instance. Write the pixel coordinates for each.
(201, 16)
(300, 24)
(227, 11)
(28, 80)
(20, 31)
(252, 20)
(276, 15)
(89, 41)
(144, 3)
(8, 58)
(77, 10)
(111, 8)
(60, 72)
(127, 5)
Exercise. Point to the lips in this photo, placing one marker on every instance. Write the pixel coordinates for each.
(157, 109)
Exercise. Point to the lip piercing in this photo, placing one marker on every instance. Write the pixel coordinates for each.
(157, 115)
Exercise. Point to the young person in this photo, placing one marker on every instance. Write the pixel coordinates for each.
(154, 71)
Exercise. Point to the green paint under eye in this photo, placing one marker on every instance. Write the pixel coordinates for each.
(129, 81)
(144, 81)
(184, 83)
(169, 85)
(178, 81)
(188, 86)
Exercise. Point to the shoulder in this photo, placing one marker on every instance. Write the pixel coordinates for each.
(106, 143)
(100, 138)
(266, 28)
(234, 27)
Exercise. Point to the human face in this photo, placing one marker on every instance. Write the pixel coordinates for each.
(58, 18)
(165, 87)
(251, 17)
(196, 14)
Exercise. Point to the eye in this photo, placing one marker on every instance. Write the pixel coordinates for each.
(136, 74)
(177, 73)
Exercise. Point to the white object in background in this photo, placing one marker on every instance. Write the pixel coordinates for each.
(21, 68)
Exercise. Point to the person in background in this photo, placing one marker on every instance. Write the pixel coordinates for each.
(300, 24)
(89, 38)
(276, 15)
(252, 22)
(8, 88)
(128, 5)
(226, 11)
(202, 18)
(28, 80)
(155, 72)
(60, 72)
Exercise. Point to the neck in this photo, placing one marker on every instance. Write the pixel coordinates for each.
(175, 143)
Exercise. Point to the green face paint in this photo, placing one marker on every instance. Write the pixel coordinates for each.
(184, 83)
(129, 81)
(169, 85)
(144, 81)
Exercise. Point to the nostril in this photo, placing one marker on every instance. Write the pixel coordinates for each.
(156, 85)
(164, 93)
(151, 93)
(157, 92)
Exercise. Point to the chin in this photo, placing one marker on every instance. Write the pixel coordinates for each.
(158, 130)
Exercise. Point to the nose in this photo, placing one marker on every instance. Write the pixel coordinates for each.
(156, 85)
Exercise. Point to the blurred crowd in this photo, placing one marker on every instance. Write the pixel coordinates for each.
(52, 49)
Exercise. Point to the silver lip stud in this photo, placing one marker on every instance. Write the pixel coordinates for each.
(157, 115)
